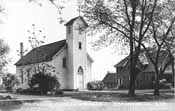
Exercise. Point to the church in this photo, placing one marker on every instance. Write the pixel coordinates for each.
(69, 57)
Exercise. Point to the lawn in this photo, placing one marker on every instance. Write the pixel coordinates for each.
(123, 97)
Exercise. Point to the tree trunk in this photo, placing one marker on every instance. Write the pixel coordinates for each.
(173, 78)
(132, 84)
(131, 91)
(156, 86)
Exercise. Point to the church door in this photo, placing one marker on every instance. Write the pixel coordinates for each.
(80, 80)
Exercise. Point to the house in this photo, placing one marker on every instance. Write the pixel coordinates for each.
(146, 73)
(110, 80)
(69, 57)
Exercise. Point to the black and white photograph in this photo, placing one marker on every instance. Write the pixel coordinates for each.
(87, 55)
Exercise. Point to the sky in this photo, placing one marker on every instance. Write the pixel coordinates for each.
(18, 17)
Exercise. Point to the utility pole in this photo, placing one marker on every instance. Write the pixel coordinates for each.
(21, 55)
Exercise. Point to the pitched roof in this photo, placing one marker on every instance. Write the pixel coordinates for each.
(163, 57)
(110, 77)
(123, 62)
(72, 21)
(149, 68)
(42, 53)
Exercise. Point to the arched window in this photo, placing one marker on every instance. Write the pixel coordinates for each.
(80, 70)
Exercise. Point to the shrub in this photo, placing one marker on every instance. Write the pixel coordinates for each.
(33, 91)
(44, 82)
(95, 85)
(9, 81)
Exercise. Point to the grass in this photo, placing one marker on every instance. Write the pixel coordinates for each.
(121, 97)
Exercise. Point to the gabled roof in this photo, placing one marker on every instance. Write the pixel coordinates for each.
(123, 62)
(42, 53)
(72, 21)
(110, 77)
(163, 57)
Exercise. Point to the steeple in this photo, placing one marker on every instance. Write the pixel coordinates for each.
(79, 3)
(76, 49)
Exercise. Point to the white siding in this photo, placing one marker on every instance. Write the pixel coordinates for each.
(88, 75)
(75, 58)
(62, 72)
(24, 69)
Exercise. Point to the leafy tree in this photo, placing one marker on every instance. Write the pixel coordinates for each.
(44, 74)
(4, 49)
(45, 82)
(36, 39)
(161, 37)
(9, 81)
(121, 20)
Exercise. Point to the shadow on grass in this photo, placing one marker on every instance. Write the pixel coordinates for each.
(123, 97)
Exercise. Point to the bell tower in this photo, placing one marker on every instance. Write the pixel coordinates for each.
(76, 51)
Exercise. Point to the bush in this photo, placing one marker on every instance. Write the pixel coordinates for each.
(43, 83)
(9, 81)
(33, 91)
(95, 85)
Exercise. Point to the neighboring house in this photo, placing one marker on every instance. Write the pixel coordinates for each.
(110, 80)
(146, 72)
(69, 57)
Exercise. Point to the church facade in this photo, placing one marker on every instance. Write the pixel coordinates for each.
(69, 57)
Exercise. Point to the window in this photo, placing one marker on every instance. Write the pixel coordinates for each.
(80, 45)
(22, 76)
(28, 75)
(69, 29)
(64, 62)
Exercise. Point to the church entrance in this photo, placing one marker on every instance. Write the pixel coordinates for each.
(80, 78)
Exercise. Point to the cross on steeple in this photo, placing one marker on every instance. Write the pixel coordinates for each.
(78, 10)
(79, 3)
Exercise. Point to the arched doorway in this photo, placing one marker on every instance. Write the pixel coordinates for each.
(80, 76)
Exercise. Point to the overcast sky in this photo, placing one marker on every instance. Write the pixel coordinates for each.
(19, 17)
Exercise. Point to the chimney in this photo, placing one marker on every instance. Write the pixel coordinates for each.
(21, 49)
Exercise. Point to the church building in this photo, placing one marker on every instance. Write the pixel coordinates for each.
(69, 57)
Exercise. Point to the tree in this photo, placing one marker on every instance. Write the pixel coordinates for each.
(36, 39)
(161, 37)
(58, 4)
(4, 49)
(43, 72)
(126, 20)
(9, 81)
(45, 82)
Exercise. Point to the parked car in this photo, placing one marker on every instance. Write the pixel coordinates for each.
(163, 84)
(95, 85)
